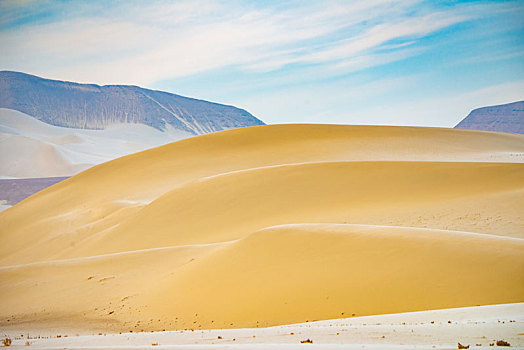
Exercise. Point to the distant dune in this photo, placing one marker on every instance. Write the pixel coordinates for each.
(506, 118)
(271, 225)
(30, 148)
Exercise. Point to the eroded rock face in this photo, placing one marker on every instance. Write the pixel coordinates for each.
(90, 106)
(506, 118)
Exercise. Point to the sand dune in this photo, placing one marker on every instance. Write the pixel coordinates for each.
(279, 275)
(325, 271)
(337, 192)
(31, 148)
(271, 225)
(23, 156)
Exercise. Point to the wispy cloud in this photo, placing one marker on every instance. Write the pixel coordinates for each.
(164, 40)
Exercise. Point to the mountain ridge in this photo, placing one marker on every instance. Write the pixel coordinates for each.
(92, 106)
(507, 117)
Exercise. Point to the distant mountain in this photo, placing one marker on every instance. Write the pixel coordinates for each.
(507, 118)
(90, 106)
(54, 128)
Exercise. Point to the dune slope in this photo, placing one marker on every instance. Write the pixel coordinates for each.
(279, 275)
(271, 225)
(330, 192)
(306, 272)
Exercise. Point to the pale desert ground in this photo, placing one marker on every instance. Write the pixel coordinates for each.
(477, 327)
(277, 225)
(34, 149)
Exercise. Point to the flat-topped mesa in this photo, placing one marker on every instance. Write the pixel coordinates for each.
(506, 118)
(90, 106)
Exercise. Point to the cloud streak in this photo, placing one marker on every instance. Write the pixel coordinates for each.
(165, 40)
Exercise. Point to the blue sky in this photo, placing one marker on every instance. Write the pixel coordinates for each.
(403, 62)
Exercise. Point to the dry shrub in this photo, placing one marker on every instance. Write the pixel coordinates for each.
(502, 343)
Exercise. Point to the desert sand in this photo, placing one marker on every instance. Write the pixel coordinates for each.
(269, 226)
(30, 148)
(479, 327)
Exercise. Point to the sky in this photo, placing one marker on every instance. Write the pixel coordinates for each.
(405, 62)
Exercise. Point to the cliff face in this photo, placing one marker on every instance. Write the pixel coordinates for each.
(90, 106)
(507, 118)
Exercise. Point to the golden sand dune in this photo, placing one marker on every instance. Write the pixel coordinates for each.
(265, 224)
(229, 206)
(279, 275)
(297, 273)
(105, 195)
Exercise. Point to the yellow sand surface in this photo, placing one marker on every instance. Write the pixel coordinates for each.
(271, 225)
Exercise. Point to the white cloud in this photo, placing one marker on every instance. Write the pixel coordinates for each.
(382, 33)
(166, 40)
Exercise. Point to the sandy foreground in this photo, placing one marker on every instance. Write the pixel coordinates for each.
(442, 329)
